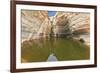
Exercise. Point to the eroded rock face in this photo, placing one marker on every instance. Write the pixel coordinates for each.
(75, 21)
(37, 24)
(76, 25)
(34, 23)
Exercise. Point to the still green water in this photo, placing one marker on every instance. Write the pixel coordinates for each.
(63, 49)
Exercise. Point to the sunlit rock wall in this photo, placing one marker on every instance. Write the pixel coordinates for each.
(76, 25)
(35, 24)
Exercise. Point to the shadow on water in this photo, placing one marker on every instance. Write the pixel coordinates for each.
(60, 48)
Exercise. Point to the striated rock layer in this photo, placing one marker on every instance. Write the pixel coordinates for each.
(76, 25)
(34, 24)
(37, 24)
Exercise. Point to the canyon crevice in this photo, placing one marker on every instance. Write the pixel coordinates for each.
(37, 24)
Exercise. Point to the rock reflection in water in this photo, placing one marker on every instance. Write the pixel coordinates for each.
(60, 49)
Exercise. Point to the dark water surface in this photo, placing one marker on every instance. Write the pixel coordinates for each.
(62, 49)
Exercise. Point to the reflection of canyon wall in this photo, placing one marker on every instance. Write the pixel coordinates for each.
(35, 24)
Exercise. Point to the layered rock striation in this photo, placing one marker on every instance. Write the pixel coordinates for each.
(71, 24)
(37, 24)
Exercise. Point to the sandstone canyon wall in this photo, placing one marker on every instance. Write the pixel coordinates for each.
(37, 24)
